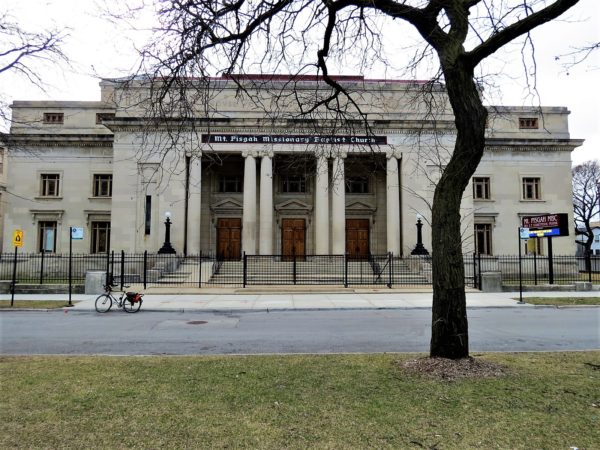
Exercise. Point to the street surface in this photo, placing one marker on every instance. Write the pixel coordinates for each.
(197, 332)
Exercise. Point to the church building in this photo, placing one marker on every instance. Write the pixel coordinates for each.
(249, 164)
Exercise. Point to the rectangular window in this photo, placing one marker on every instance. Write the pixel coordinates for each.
(103, 116)
(483, 238)
(481, 188)
(148, 214)
(230, 184)
(293, 184)
(54, 118)
(531, 188)
(357, 185)
(102, 185)
(50, 185)
(533, 246)
(100, 237)
(47, 236)
(530, 123)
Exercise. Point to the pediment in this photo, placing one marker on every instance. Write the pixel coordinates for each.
(225, 205)
(360, 208)
(293, 205)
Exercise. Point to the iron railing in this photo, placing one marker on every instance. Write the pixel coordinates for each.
(377, 270)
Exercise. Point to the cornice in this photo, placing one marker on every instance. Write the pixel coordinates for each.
(59, 140)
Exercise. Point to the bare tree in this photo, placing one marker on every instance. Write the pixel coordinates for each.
(22, 50)
(586, 200)
(197, 39)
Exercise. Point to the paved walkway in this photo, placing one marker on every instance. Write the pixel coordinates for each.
(235, 300)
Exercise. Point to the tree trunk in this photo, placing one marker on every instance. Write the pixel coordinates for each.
(449, 331)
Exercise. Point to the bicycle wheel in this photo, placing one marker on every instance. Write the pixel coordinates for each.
(130, 306)
(103, 303)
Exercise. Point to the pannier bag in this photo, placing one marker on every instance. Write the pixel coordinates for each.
(134, 297)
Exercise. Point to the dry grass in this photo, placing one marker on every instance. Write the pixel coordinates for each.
(545, 400)
(34, 304)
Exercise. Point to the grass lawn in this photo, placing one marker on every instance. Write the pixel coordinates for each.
(36, 304)
(549, 400)
(561, 301)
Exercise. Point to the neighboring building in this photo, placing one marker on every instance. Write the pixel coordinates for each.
(245, 180)
(595, 244)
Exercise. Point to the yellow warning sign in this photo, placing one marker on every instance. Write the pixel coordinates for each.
(18, 238)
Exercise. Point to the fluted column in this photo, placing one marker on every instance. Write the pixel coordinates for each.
(322, 206)
(265, 242)
(194, 204)
(393, 204)
(249, 204)
(338, 205)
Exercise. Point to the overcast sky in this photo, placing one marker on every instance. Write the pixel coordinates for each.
(98, 47)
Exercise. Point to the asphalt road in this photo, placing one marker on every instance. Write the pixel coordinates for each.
(151, 333)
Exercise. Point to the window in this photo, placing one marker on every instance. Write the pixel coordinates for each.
(102, 185)
(54, 118)
(100, 237)
(230, 184)
(357, 185)
(481, 188)
(104, 116)
(47, 236)
(293, 184)
(148, 214)
(597, 238)
(483, 238)
(528, 123)
(531, 188)
(50, 184)
(533, 246)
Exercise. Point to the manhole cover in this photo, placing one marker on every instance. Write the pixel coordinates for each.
(197, 322)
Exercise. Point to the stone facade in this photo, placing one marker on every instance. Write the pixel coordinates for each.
(236, 178)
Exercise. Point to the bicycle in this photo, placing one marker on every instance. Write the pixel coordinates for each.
(131, 302)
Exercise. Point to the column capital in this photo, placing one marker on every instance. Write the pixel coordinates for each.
(266, 153)
(251, 153)
(394, 154)
(340, 154)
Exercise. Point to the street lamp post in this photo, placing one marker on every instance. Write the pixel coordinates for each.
(167, 248)
(419, 248)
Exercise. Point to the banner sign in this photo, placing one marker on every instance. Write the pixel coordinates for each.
(547, 225)
(292, 139)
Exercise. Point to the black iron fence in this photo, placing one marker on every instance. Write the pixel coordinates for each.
(384, 270)
(537, 270)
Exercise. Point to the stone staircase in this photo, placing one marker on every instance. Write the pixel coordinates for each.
(318, 271)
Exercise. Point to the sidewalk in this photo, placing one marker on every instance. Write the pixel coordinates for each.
(289, 301)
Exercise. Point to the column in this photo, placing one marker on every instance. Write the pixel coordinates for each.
(338, 205)
(194, 204)
(393, 204)
(266, 204)
(322, 206)
(249, 204)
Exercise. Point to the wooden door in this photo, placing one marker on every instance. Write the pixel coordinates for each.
(229, 238)
(293, 238)
(357, 238)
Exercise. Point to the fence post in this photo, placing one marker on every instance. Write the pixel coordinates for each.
(112, 267)
(294, 264)
(13, 285)
(475, 270)
(145, 267)
(479, 271)
(550, 261)
(588, 263)
(42, 268)
(122, 268)
(244, 270)
(345, 270)
(200, 270)
(390, 271)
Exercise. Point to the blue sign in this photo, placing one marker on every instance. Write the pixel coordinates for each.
(545, 232)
